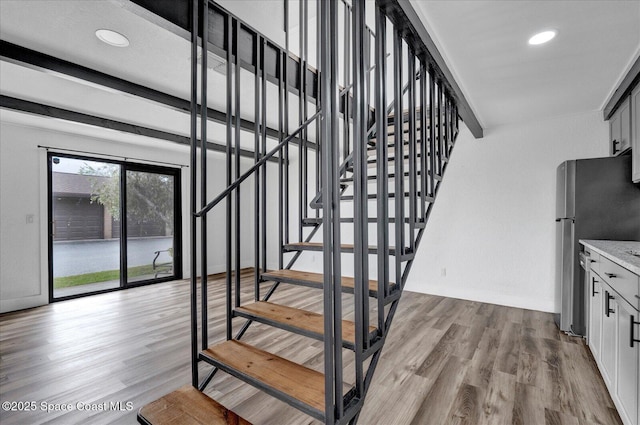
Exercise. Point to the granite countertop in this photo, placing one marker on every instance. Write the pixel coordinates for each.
(617, 251)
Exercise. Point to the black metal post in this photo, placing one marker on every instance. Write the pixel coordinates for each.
(398, 151)
(361, 252)
(302, 102)
(423, 142)
(335, 214)
(318, 107)
(281, 164)
(447, 129)
(238, 112)
(382, 164)
(333, 385)
(287, 237)
(204, 325)
(432, 132)
(193, 191)
(228, 219)
(439, 125)
(346, 150)
(256, 157)
(411, 63)
(263, 150)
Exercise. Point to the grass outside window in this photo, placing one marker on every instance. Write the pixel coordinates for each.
(102, 276)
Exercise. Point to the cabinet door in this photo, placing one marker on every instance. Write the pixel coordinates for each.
(614, 133)
(620, 128)
(628, 352)
(595, 315)
(635, 133)
(609, 337)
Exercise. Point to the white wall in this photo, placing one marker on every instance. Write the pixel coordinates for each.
(492, 226)
(23, 190)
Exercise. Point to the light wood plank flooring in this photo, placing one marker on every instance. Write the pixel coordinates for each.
(446, 361)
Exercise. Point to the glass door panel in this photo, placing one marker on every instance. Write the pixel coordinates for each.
(85, 236)
(150, 215)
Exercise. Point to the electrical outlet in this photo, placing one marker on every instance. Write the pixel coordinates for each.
(443, 272)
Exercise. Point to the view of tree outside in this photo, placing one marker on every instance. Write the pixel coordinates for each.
(86, 256)
(149, 195)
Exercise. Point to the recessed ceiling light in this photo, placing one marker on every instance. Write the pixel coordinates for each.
(542, 37)
(112, 38)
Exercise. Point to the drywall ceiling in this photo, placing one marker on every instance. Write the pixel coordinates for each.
(156, 58)
(484, 43)
(506, 81)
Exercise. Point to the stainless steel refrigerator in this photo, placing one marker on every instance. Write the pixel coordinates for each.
(595, 200)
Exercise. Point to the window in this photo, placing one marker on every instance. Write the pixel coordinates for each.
(90, 249)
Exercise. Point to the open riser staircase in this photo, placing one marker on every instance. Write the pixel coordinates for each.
(371, 149)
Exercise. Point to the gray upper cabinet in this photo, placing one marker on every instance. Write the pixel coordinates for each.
(635, 133)
(620, 129)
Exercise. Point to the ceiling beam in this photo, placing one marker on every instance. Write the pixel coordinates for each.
(628, 83)
(35, 108)
(404, 17)
(40, 61)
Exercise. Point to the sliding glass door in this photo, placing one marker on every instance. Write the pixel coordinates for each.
(85, 249)
(150, 232)
(90, 249)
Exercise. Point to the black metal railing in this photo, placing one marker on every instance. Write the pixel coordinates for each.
(399, 123)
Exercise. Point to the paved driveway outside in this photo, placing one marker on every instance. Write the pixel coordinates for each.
(79, 257)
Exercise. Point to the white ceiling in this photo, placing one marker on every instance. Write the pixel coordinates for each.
(483, 42)
(507, 81)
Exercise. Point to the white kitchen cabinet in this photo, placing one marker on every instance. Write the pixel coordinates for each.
(613, 308)
(628, 362)
(620, 129)
(595, 315)
(635, 134)
(609, 334)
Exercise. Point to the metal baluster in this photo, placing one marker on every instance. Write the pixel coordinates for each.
(287, 237)
(317, 127)
(204, 325)
(302, 145)
(285, 77)
(382, 169)
(327, 73)
(334, 161)
(347, 81)
(432, 133)
(411, 64)
(281, 136)
(359, 187)
(256, 158)
(423, 141)
(398, 152)
(439, 125)
(264, 151)
(237, 170)
(193, 163)
(446, 126)
(230, 42)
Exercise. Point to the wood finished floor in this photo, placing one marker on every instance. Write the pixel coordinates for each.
(446, 361)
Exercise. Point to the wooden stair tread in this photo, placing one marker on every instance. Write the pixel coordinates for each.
(391, 150)
(316, 279)
(317, 246)
(389, 195)
(392, 175)
(296, 318)
(370, 220)
(268, 370)
(188, 406)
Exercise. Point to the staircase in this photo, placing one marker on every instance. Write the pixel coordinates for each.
(383, 188)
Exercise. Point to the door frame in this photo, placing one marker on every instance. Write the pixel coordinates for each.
(124, 167)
